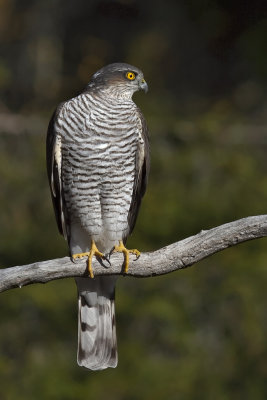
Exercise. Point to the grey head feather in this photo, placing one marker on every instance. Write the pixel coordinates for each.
(115, 75)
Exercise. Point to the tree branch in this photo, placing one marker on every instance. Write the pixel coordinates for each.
(170, 258)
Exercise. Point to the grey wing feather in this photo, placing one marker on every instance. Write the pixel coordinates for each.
(53, 159)
(142, 166)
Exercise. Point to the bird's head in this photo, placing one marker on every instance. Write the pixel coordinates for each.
(119, 80)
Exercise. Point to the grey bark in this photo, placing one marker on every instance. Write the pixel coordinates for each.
(176, 256)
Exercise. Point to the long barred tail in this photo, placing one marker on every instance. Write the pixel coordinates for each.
(97, 341)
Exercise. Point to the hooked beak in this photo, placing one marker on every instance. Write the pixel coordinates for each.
(143, 85)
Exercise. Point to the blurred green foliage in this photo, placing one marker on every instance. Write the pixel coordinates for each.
(199, 333)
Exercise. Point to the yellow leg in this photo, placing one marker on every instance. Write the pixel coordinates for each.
(122, 249)
(93, 252)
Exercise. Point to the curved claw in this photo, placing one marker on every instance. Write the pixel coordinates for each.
(93, 252)
(122, 249)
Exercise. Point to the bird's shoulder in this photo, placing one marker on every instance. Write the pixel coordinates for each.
(70, 113)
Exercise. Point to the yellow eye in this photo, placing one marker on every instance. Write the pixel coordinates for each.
(130, 75)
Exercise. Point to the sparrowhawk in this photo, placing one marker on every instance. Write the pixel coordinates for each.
(98, 163)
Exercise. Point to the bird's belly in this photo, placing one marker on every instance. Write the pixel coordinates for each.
(98, 194)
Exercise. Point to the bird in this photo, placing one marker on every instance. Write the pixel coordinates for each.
(98, 162)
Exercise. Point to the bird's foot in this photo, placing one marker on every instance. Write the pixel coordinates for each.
(93, 252)
(122, 249)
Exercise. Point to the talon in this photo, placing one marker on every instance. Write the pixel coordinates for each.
(93, 252)
(122, 249)
(107, 258)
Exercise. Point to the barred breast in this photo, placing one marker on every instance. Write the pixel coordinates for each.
(99, 145)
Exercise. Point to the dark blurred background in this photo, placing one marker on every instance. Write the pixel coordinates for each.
(199, 333)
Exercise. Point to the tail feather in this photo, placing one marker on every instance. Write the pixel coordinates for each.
(97, 342)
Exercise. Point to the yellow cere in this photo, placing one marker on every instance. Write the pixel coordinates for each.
(130, 75)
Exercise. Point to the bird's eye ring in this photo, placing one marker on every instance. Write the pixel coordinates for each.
(130, 76)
